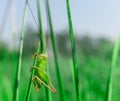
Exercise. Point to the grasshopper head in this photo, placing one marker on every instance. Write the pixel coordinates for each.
(42, 56)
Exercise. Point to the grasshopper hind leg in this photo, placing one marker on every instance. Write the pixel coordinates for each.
(48, 86)
(36, 83)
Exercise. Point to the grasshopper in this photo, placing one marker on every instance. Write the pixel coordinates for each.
(40, 76)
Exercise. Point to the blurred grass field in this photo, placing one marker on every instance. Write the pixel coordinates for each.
(94, 62)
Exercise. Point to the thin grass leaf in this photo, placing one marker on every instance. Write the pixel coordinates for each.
(43, 42)
(17, 80)
(32, 73)
(75, 64)
(113, 64)
(55, 49)
(41, 33)
(41, 48)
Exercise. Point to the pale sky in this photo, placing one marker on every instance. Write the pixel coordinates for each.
(97, 17)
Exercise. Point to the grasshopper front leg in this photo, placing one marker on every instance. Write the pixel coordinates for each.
(39, 69)
(33, 67)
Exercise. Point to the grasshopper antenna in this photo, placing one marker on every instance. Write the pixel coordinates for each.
(31, 12)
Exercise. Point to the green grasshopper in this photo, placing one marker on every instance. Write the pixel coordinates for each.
(40, 76)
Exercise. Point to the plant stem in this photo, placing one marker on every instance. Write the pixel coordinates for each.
(17, 80)
(75, 64)
(41, 33)
(54, 46)
(41, 47)
(32, 73)
(113, 64)
(43, 41)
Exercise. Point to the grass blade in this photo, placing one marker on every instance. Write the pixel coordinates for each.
(113, 64)
(75, 64)
(32, 73)
(54, 49)
(41, 33)
(41, 47)
(43, 42)
(17, 80)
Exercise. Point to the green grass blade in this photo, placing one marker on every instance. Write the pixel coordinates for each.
(75, 64)
(41, 48)
(41, 33)
(17, 80)
(32, 73)
(54, 50)
(113, 64)
(43, 41)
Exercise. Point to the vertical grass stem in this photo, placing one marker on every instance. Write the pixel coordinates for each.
(54, 46)
(17, 80)
(75, 64)
(113, 64)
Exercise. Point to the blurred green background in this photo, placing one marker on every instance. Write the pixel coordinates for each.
(94, 51)
(94, 57)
